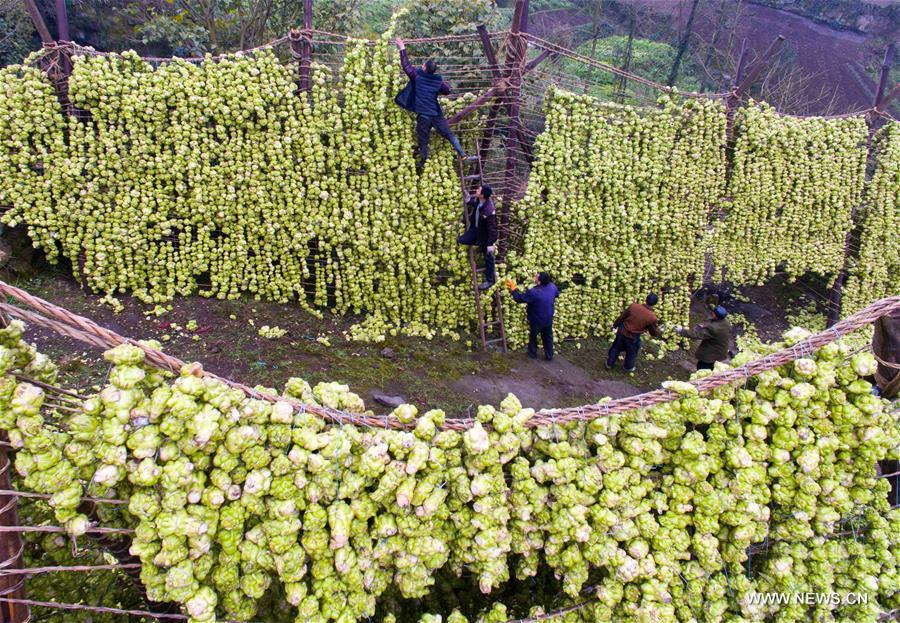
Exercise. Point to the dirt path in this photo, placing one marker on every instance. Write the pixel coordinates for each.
(541, 384)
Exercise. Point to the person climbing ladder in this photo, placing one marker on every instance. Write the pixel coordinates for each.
(420, 95)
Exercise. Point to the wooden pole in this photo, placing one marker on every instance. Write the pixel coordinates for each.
(62, 21)
(732, 100)
(11, 548)
(885, 74)
(886, 101)
(479, 101)
(683, 44)
(515, 61)
(836, 296)
(759, 66)
(498, 89)
(742, 63)
(306, 47)
(489, 51)
(38, 21)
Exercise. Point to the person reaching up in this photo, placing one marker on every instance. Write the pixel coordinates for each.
(420, 95)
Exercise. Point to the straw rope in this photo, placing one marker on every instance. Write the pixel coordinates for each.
(72, 325)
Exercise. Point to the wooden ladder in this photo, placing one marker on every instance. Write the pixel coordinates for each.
(491, 332)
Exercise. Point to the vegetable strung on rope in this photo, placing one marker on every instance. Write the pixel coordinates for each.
(249, 510)
(217, 168)
(795, 183)
(645, 180)
(875, 272)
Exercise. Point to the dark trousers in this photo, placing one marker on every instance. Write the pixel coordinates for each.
(546, 334)
(631, 346)
(705, 365)
(470, 237)
(424, 123)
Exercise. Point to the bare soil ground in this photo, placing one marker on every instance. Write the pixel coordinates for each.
(440, 373)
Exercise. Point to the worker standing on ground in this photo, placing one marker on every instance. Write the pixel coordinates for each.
(482, 231)
(630, 325)
(714, 336)
(540, 303)
(420, 96)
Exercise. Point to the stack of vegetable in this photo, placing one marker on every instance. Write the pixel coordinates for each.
(617, 205)
(257, 510)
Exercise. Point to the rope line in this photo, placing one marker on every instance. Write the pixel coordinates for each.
(562, 51)
(80, 568)
(44, 496)
(103, 609)
(72, 325)
(97, 530)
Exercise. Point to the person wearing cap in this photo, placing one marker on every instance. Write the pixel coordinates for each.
(714, 336)
(420, 95)
(540, 302)
(636, 320)
(482, 231)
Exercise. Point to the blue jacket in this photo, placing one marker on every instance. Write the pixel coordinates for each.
(420, 95)
(540, 302)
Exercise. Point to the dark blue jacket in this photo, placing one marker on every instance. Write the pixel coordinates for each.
(541, 302)
(420, 95)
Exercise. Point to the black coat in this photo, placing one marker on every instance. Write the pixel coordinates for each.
(420, 95)
(486, 224)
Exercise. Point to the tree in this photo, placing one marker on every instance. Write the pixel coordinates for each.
(433, 18)
(16, 32)
(683, 44)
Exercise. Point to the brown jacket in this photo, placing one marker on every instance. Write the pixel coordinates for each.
(637, 319)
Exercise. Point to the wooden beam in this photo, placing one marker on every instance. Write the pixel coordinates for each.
(62, 21)
(515, 63)
(479, 101)
(759, 66)
(489, 51)
(306, 47)
(537, 60)
(38, 21)
(885, 74)
(12, 586)
(742, 63)
(884, 103)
